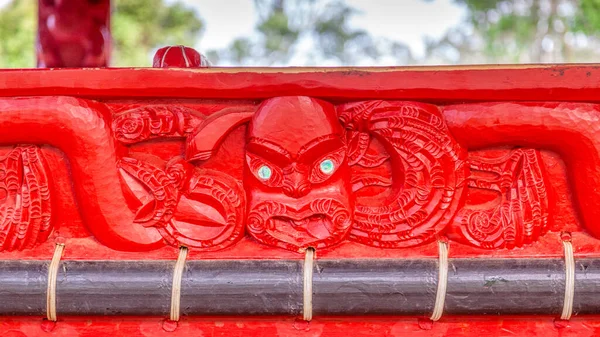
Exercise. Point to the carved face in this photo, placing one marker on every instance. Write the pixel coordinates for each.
(297, 177)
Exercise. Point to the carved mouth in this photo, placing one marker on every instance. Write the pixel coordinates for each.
(321, 223)
(301, 230)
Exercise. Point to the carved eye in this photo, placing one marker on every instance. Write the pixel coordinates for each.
(264, 172)
(327, 166)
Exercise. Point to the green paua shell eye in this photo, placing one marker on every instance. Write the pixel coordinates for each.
(264, 172)
(327, 166)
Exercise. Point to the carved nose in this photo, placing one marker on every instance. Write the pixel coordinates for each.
(295, 185)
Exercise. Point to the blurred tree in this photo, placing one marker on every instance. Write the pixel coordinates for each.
(522, 31)
(320, 32)
(587, 18)
(309, 31)
(18, 22)
(139, 27)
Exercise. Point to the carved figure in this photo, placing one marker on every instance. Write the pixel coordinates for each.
(297, 180)
(383, 173)
(127, 203)
(392, 177)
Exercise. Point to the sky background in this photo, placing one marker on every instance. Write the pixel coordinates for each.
(407, 21)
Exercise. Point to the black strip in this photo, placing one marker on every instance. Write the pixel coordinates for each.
(274, 287)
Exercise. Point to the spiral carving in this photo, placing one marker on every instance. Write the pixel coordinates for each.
(428, 168)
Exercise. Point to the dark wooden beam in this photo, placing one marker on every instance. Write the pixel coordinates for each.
(274, 287)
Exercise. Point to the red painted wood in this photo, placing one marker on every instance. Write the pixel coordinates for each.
(573, 83)
(262, 163)
(73, 33)
(179, 57)
(396, 177)
(289, 326)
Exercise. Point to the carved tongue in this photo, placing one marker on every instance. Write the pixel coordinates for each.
(317, 226)
(304, 231)
(320, 228)
(299, 223)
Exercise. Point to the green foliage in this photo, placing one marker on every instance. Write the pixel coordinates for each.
(17, 34)
(587, 19)
(279, 36)
(495, 26)
(333, 34)
(495, 31)
(479, 5)
(139, 27)
(240, 48)
(523, 31)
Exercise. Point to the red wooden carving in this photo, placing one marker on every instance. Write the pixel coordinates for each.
(522, 214)
(179, 57)
(128, 164)
(73, 33)
(26, 210)
(382, 173)
(392, 177)
(426, 167)
(298, 187)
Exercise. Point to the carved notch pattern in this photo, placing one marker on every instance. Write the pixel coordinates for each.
(149, 122)
(177, 198)
(522, 214)
(25, 207)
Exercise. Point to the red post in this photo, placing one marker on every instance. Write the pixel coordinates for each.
(73, 33)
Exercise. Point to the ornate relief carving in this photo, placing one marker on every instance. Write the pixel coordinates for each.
(428, 171)
(521, 214)
(383, 173)
(188, 206)
(211, 211)
(298, 187)
(430, 178)
(25, 208)
(149, 122)
(158, 207)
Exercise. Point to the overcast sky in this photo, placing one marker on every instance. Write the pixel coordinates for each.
(407, 21)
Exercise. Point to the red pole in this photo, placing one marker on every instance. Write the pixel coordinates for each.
(73, 33)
